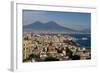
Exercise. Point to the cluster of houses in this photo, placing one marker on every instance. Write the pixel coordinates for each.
(57, 47)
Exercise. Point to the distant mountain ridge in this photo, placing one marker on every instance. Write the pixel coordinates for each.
(47, 27)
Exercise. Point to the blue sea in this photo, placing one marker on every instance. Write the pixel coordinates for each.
(85, 43)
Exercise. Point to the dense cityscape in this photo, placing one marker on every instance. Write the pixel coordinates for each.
(53, 47)
(56, 36)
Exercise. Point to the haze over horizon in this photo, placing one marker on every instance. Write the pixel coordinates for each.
(73, 20)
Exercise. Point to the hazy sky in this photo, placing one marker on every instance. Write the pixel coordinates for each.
(73, 20)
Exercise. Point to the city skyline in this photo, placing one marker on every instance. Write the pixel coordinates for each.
(56, 36)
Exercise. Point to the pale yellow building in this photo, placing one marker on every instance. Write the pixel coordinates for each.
(26, 48)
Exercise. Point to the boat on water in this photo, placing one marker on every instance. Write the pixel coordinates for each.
(84, 38)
